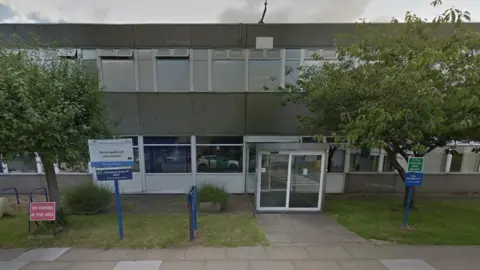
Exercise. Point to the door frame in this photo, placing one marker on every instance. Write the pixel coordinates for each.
(291, 154)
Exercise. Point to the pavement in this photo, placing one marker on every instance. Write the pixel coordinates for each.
(297, 242)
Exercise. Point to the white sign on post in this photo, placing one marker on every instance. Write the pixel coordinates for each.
(111, 153)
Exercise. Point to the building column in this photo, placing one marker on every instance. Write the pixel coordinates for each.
(346, 166)
(381, 160)
(448, 162)
(193, 151)
(141, 159)
(38, 161)
(5, 167)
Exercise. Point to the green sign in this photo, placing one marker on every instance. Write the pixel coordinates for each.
(415, 164)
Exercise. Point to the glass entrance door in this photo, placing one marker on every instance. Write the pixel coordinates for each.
(273, 179)
(305, 181)
(290, 181)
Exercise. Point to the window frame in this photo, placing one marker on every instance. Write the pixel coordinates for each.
(241, 146)
(167, 145)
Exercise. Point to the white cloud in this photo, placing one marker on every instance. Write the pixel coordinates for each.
(296, 11)
(211, 11)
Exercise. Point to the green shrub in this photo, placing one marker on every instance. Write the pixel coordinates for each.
(88, 198)
(214, 194)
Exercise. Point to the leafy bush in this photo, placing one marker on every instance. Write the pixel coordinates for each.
(214, 194)
(88, 198)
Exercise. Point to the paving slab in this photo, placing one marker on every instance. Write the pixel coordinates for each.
(12, 265)
(310, 229)
(271, 265)
(274, 228)
(403, 264)
(278, 238)
(137, 265)
(362, 265)
(362, 251)
(93, 266)
(164, 254)
(330, 252)
(82, 254)
(9, 254)
(183, 265)
(227, 265)
(205, 253)
(451, 265)
(48, 266)
(316, 265)
(247, 253)
(345, 238)
(308, 238)
(287, 253)
(41, 254)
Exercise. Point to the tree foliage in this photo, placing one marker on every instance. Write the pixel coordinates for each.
(407, 87)
(49, 105)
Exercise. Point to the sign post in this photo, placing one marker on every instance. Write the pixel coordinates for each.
(112, 160)
(192, 209)
(413, 178)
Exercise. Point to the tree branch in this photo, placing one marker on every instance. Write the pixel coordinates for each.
(264, 12)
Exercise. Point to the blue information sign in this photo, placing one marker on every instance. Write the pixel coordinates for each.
(413, 179)
(114, 174)
(111, 164)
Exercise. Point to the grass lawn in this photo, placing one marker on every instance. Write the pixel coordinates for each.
(436, 222)
(141, 231)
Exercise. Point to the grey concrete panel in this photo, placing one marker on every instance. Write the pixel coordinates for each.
(24, 183)
(298, 35)
(165, 113)
(219, 35)
(220, 114)
(158, 35)
(371, 182)
(267, 116)
(69, 181)
(195, 35)
(78, 35)
(124, 112)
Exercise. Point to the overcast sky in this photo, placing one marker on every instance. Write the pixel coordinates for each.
(214, 11)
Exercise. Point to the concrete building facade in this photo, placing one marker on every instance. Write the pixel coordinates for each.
(192, 98)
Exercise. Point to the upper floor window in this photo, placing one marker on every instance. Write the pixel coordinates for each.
(145, 69)
(264, 70)
(118, 69)
(292, 66)
(228, 68)
(200, 70)
(173, 69)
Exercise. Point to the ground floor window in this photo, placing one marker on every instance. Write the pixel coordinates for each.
(364, 161)
(136, 160)
(167, 154)
(219, 154)
(22, 163)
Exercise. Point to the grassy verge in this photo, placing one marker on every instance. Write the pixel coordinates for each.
(141, 231)
(436, 222)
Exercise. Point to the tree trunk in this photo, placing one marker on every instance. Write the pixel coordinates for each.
(52, 184)
(331, 152)
(392, 157)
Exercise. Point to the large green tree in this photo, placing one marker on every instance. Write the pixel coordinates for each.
(407, 87)
(49, 105)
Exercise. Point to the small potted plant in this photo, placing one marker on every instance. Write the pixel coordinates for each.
(212, 198)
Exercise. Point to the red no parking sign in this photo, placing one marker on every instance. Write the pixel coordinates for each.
(42, 211)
